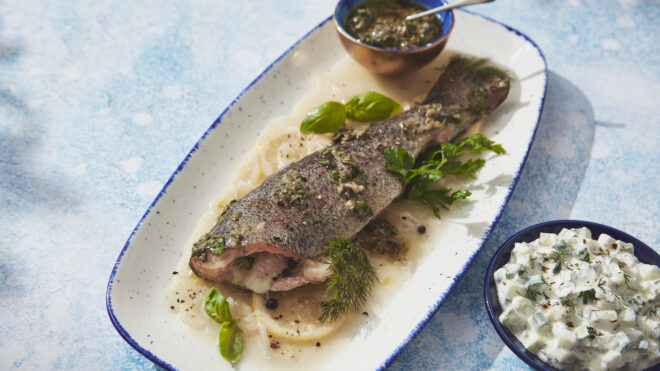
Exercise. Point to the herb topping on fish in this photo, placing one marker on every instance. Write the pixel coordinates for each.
(274, 237)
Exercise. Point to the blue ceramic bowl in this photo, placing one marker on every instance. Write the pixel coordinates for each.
(643, 252)
(392, 61)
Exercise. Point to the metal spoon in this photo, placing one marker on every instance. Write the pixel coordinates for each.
(456, 4)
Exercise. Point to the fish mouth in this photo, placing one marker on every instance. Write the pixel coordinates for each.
(260, 268)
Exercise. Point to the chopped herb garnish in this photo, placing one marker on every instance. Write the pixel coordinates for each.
(434, 166)
(626, 278)
(346, 167)
(344, 135)
(588, 296)
(291, 191)
(358, 208)
(584, 255)
(561, 248)
(327, 163)
(216, 244)
(351, 280)
(532, 291)
(557, 256)
(223, 214)
(601, 282)
(567, 301)
(478, 100)
(334, 175)
(237, 236)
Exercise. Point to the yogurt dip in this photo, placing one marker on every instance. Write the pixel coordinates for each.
(580, 303)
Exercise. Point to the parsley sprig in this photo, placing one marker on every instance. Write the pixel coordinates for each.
(351, 280)
(434, 166)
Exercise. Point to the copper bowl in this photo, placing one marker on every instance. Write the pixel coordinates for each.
(384, 61)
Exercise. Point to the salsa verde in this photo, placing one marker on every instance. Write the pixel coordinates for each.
(383, 23)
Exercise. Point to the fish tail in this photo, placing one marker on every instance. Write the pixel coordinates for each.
(483, 86)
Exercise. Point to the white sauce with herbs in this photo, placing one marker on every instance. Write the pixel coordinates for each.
(581, 303)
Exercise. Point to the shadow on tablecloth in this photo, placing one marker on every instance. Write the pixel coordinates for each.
(21, 185)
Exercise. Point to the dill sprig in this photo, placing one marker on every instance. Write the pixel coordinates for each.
(568, 301)
(351, 280)
(557, 256)
(532, 291)
(584, 255)
(588, 296)
(626, 278)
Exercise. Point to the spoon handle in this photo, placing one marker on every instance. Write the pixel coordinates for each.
(453, 5)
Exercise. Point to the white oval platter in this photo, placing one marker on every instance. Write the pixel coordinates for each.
(144, 267)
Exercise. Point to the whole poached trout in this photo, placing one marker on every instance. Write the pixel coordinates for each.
(274, 237)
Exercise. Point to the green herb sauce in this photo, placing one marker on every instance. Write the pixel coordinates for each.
(383, 23)
(291, 191)
(359, 208)
(216, 243)
(346, 168)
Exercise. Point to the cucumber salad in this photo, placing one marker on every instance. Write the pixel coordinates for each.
(580, 303)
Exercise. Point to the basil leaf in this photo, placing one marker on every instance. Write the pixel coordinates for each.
(216, 306)
(230, 341)
(325, 118)
(371, 106)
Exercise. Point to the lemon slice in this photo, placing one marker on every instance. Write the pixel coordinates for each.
(283, 146)
(296, 315)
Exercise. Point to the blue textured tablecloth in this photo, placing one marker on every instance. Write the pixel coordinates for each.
(100, 101)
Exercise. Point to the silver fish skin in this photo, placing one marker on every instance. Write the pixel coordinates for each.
(275, 235)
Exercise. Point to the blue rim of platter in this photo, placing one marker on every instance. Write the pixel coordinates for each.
(642, 251)
(132, 342)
